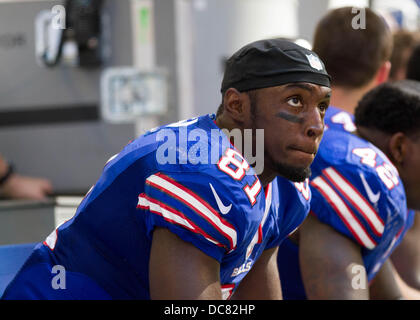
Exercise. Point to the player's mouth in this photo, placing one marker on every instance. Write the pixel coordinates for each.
(306, 155)
(310, 149)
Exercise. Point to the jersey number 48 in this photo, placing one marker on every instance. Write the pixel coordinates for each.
(385, 171)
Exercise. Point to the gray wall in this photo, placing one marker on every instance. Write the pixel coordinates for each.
(23, 83)
(165, 53)
(72, 154)
(309, 12)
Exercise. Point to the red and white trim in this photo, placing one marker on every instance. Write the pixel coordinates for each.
(259, 234)
(173, 216)
(344, 212)
(253, 191)
(227, 291)
(196, 203)
(51, 240)
(362, 205)
(268, 198)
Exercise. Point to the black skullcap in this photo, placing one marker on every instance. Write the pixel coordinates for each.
(273, 62)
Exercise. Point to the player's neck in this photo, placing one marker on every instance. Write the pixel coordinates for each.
(347, 99)
(266, 177)
(376, 137)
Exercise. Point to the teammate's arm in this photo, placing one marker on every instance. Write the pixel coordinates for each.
(406, 257)
(407, 292)
(179, 270)
(262, 282)
(384, 286)
(328, 261)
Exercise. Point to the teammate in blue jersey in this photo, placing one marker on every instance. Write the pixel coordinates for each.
(354, 71)
(358, 60)
(338, 119)
(359, 202)
(406, 258)
(180, 213)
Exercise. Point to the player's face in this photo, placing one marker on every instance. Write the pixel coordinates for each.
(292, 117)
(411, 172)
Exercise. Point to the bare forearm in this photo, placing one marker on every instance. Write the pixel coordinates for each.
(3, 166)
(407, 292)
(263, 281)
(406, 257)
(384, 286)
(331, 264)
(179, 270)
(332, 282)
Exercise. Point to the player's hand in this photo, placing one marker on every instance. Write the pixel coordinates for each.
(23, 187)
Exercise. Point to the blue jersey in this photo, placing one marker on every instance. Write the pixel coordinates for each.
(358, 192)
(337, 119)
(185, 177)
(292, 204)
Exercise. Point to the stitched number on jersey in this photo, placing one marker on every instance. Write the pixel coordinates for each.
(344, 119)
(241, 166)
(253, 191)
(368, 156)
(387, 175)
(385, 171)
(234, 165)
(303, 187)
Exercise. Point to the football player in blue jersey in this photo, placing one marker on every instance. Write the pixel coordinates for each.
(361, 186)
(357, 57)
(165, 222)
(406, 258)
(354, 71)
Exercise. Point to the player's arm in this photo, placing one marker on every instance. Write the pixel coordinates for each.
(407, 292)
(384, 286)
(16, 186)
(262, 282)
(328, 261)
(406, 257)
(179, 270)
(190, 236)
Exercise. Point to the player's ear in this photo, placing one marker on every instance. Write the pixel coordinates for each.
(383, 73)
(398, 147)
(235, 104)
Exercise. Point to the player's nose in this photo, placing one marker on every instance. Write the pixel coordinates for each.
(314, 125)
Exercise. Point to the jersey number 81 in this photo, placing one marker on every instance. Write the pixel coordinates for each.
(233, 164)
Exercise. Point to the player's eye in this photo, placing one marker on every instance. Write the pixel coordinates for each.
(323, 107)
(295, 102)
